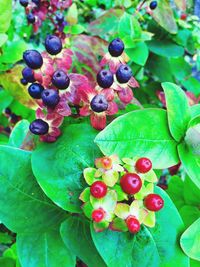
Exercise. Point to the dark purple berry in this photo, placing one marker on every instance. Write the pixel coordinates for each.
(50, 97)
(39, 127)
(60, 79)
(28, 74)
(53, 44)
(24, 81)
(124, 73)
(99, 103)
(116, 47)
(35, 90)
(105, 78)
(31, 18)
(153, 5)
(33, 59)
(24, 3)
(59, 18)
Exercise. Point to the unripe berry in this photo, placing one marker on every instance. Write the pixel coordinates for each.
(143, 165)
(153, 202)
(131, 183)
(98, 189)
(98, 215)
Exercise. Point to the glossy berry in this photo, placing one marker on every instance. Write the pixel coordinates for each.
(131, 183)
(99, 103)
(59, 18)
(183, 16)
(98, 189)
(31, 18)
(28, 75)
(35, 90)
(39, 127)
(124, 73)
(153, 202)
(116, 47)
(37, 2)
(53, 44)
(23, 2)
(105, 78)
(153, 5)
(60, 79)
(98, 215)
(50, 97)
(133, 224)
(143, 165)
(24, 81)
(33, 59)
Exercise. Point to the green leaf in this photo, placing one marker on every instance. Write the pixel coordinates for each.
(178, 110)
(190, 162)
(75, 232)
(140, 133)
(18, 134)
(21, 196)
(165, 48)
(5, 15)
(139, 53)
(64, 161)
(72, 14)
(47, 248)
(190, 241)
(3, 38)
(153, 248)
(5, 238)
(192, 137)
(129, 26)
(6, 99)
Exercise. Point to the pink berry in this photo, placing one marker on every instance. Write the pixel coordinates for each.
(131, 183)
(133, 224)
(98, 215)
(98, 189)
(143, 165)
(153, 202)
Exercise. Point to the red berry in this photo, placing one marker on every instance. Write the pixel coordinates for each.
(143, 165)
(183, 16)
(153, 202)
(131, 183)
(107, 163)
(98, 215)
(133, 224)
(98, 189)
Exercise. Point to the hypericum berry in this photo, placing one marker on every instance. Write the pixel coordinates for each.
(106, 163)
(124, 73)
(24, 81)
(50, 97)
(105, 78)
(14, 118)
(60, 18)
(7, 129)
(60, 79)
(33, 59)
(98, 215)
(99, 103)
(153, 202)
(183, 16)
(35, 90)
(31, 18)
(131, 183)
(23, 2)
(7, 111)
(143, 165)
(37, 2)
(39, 127)
(98, 189)
(116, 47)
(133, 224)
(28, 75)
(153, 5)
(53, 44)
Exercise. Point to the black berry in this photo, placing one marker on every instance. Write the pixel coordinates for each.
(14, 118)
(60, 79)
(8, 111)
(33, 59)
(35, 90)
(99, 104)
(124, 73)
(53, 44)
(50, 97)
(153, 5)
(39, 127)
(31, 18)
(105, 78)
(59, 18)
(24, 81)
(23, 2)
(37, 2)
(28, 75)
(116, 47)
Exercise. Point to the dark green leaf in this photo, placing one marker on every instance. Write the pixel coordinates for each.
(165, 48)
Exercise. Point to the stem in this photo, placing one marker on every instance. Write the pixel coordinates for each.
(139, 8)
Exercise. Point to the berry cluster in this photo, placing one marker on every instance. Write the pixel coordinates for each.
(12, 120)
(39, 10)
(58, 93)
(121, 194)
